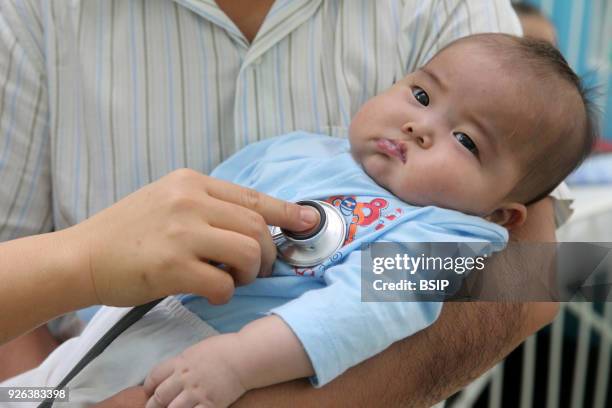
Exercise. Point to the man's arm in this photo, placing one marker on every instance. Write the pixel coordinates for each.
(465, 341)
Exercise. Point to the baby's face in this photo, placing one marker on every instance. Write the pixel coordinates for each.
(441, 136)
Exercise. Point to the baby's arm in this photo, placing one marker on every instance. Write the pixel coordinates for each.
(219, 369)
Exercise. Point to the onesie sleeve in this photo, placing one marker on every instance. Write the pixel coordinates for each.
(338, 330)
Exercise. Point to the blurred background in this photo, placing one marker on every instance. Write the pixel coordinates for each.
(567, 364)
(585, 34)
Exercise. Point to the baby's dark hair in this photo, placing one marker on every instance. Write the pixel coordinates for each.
(559, 149)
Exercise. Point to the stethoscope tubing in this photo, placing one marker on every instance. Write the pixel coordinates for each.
(122, 325)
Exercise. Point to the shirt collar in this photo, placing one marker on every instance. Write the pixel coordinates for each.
(284, 17)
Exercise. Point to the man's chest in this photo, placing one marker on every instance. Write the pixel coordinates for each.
(138, 89)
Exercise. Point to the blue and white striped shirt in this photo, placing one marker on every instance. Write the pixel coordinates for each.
(98, 98)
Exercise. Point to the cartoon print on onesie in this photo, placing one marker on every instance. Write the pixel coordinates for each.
(357, 214)
(362, 213)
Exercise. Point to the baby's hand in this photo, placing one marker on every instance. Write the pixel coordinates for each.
(202, 375)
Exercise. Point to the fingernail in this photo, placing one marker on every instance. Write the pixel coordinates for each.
(309, 216)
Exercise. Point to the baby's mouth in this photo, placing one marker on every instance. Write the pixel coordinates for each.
(392, 148)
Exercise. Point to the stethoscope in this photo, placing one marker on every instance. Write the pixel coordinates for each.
(300, 249)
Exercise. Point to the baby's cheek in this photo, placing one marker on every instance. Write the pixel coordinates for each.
(454, 192)
(377, 168)
(471, 196)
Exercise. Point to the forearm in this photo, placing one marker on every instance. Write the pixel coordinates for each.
(40, 280)
(267, 352)
(465, 341)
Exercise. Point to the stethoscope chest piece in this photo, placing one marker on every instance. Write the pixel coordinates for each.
(310, 248)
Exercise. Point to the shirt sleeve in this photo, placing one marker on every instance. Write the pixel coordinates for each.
(562, 202)
(428, 26)
(25, 190)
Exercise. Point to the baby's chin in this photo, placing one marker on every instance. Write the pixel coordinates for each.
(377, 169)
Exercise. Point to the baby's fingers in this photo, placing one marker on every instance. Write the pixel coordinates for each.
(159, 373)
(165, 393)
(184, 400)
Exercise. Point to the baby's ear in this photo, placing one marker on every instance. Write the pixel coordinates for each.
(509, 215)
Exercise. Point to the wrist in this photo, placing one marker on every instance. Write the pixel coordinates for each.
(231, 351)
(43, 267)
(72, 265)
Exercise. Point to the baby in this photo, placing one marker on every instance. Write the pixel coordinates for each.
(454, 152)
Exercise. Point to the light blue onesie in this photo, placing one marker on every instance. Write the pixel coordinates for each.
(322, 305)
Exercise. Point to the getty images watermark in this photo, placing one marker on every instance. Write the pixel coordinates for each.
(421, 263)
(472, 271)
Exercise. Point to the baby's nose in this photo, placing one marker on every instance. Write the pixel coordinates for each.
(424, 141)
(421, 137)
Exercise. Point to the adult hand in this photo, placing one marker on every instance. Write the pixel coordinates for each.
(159, 240)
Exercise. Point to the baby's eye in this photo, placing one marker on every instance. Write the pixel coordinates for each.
(466, 142)
(421, 96)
